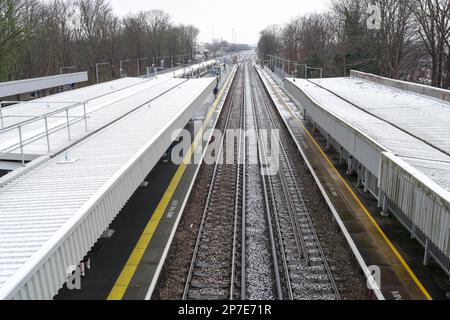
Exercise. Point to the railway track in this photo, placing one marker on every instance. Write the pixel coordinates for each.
(218, 266)
(300, 266)
(215, 265)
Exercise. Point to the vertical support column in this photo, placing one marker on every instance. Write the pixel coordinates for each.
(1, 114)
(380, 198)
(366, 180)
(359, 181)
(426, 258)
(328, 147)
(350, 165)
(341, 155)
(413, 231)
(385, 207)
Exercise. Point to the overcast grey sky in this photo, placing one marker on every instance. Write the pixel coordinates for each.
(248, 18)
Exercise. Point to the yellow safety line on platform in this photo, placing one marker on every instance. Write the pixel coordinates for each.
(366, 211)
(122, 283)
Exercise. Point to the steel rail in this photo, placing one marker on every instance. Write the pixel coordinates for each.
(240, 181)
(301, 246)
(212, 185)
(342, 227)
(244, 201)
(300, 196)
(271, 209)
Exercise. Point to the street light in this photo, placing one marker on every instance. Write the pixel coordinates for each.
(97, 65)
(120, 66)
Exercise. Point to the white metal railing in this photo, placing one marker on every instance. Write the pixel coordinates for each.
(60, 113)
(70, 120)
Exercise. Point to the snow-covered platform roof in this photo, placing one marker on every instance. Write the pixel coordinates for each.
(103, 103)
(187, 70)
(382, 114)
(52, 215)
(401, 136)
(11, 88)
(99, 103)
(423, 116)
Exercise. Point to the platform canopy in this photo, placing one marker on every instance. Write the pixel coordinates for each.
(402, 137)
(12, 88)
(52, 215)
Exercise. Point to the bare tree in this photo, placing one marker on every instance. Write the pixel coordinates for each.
(269, 42)
(11, 33)
(38, 37)
(412, 42)
(434, 30)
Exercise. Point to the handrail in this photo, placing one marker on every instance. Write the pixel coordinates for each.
(48, 131)
(22, 143)
(71, 120)
(40, 117)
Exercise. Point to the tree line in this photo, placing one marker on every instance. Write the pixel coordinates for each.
(46, 37)
(412, 42)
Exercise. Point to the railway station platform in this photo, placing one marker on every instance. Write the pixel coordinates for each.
(394, 136)
(374, 241)
(127, 265)
(47, 126)
(66, 202)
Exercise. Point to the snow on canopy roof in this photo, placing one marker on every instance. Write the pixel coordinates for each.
(425, 117)
(52, 215)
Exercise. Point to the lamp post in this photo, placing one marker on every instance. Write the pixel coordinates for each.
(97, 65)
